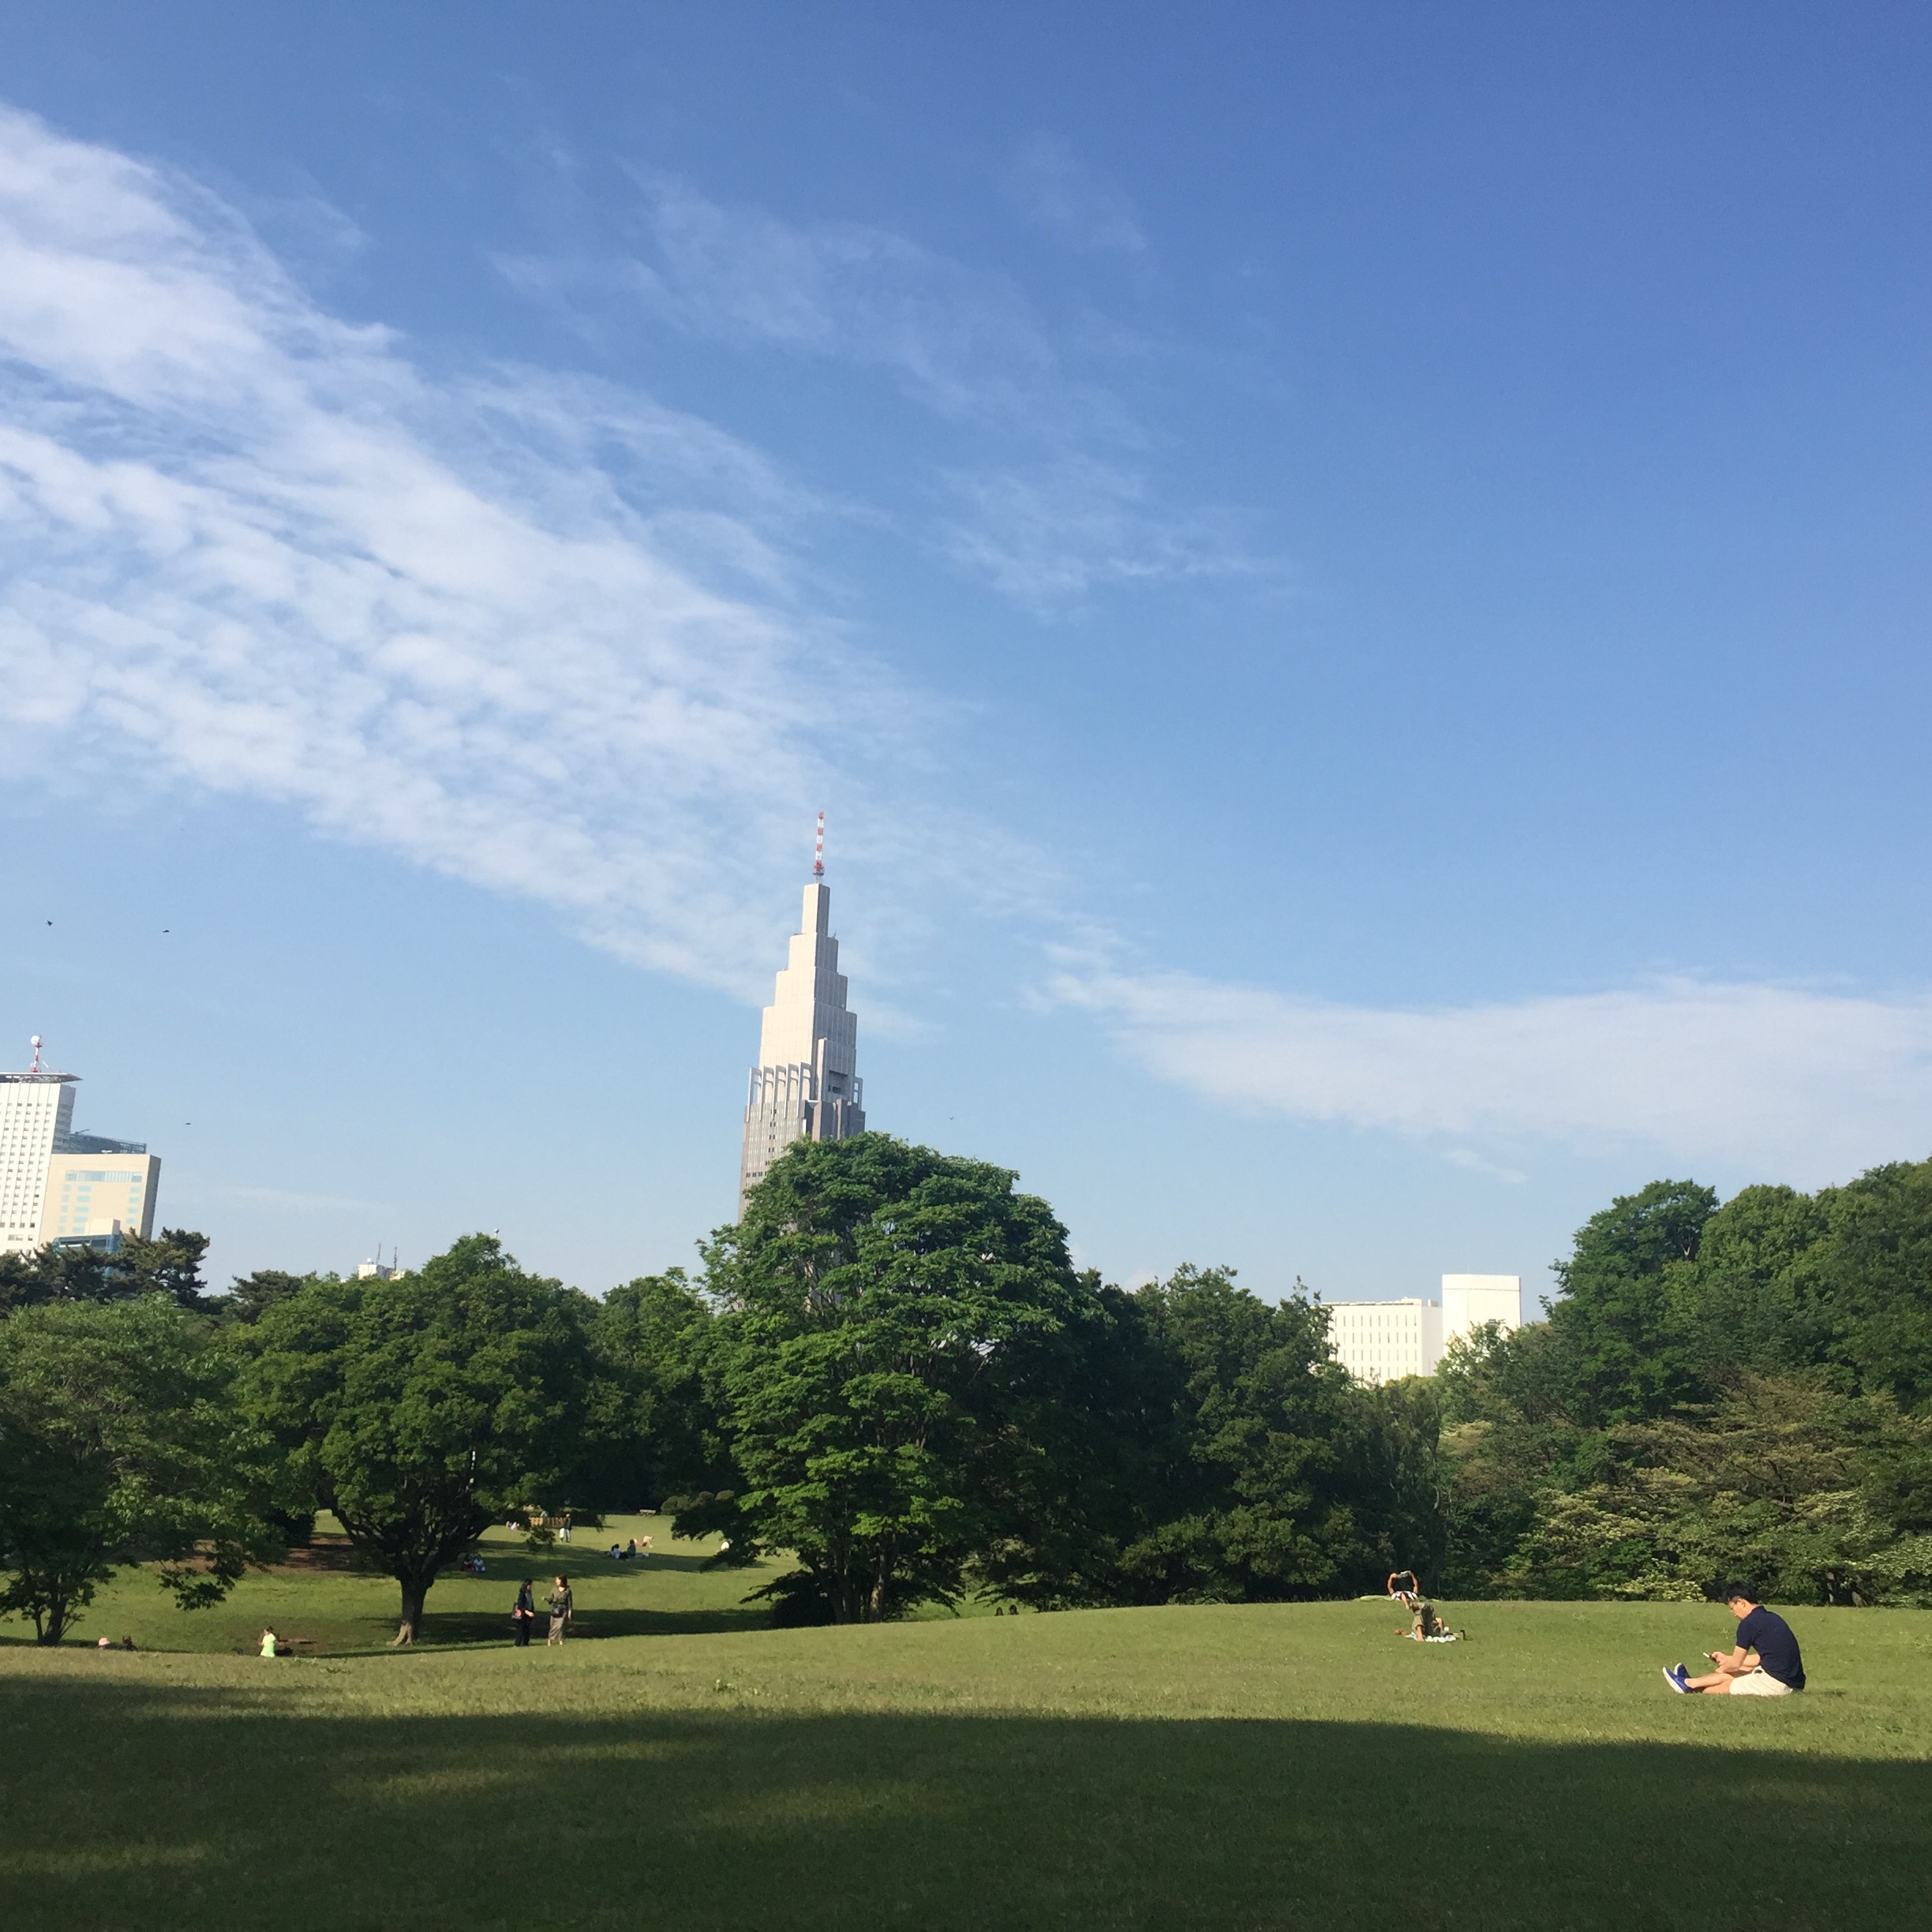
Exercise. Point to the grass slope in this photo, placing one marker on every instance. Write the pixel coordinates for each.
(328, 1602)
(1231, 1767)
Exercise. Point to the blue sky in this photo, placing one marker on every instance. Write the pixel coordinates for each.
(1353, 582)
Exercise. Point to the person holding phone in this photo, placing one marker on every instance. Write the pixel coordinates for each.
(1765, 1661)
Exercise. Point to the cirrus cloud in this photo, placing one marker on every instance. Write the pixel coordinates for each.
(539, 634)
(1780, 1078)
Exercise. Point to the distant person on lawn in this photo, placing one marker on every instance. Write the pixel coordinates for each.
(524, 1614)
(1765, 1662)
(561, 1604)
(268, 1643)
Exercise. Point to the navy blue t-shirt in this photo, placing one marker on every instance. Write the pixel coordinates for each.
(1770, 1636)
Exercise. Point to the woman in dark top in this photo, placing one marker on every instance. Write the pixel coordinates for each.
(524, 1614)
(1766, 1663)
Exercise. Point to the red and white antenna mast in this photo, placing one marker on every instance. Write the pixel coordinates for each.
(35, 1043)
(819, 850)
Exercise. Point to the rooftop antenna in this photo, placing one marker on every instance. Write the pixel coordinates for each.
(35, 1043)
(819, 850)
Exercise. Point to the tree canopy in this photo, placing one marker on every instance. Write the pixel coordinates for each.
(886, 1306)
(891, 1370)
(121, 1442)
(420, 1408)
(1746, 1386)
(170, 1264)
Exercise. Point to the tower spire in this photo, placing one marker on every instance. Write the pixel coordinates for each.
(806, 1085)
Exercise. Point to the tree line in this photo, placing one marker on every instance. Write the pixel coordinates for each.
(890, 1375)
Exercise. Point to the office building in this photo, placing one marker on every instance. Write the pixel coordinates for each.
(58, 1185)
(1468, 1300)
(806, 1085)
(1380, 1341)
(36, 1113)
(97, 1197)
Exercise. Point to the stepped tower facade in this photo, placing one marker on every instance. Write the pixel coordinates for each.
(806, 1085)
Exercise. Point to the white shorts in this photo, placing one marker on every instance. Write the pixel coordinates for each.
(1759, 1683)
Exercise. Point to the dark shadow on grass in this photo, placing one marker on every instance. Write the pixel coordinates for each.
(575, 1562)
(463, 1627)
(136, 1803)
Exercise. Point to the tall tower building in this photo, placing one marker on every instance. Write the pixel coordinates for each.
(806, 1085)
(55, 1184)
(36, 1114)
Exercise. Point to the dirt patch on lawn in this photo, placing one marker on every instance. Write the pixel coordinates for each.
(324, 1552)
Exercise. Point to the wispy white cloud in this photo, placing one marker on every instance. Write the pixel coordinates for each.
(964, 341)
(1468, 1157)
(539, 636)
(550, 637)
(1784, 1080)
(1048, 535)
(1062, 196)
(1060, 502)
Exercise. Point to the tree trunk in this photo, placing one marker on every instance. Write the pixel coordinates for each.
(413, 1595)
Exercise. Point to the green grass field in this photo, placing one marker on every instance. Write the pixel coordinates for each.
(328, 1604)
(1225, 1767)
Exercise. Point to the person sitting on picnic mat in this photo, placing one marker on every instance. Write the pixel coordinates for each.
(1765, 1662)
(560, 1607)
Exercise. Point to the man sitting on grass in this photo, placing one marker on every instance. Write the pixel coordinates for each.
(1765, 1662)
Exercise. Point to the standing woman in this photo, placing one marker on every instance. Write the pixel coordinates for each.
(524, 1614)
(560, 1605)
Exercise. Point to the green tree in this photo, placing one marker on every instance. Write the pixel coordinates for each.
(1765, 1482)
(1508, 1439)
(1627, 1359)
(170, 1264)
(658, 1409)
(1089, 1432)
(1878, 1276)
(1271, 1452)
(421, 1409)
(880, 1298)
(1581, 1448)
(250, 1297)
(120, 1443)
(1756, 1296)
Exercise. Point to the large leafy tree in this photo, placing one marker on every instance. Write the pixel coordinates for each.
(887, 1307)
(1089, 1433)
(1257, 1500)
(659, 1406)
(120, 1443)
(1878, 1279)
(421, 1409)
(1584, 1448)
(1628, 1359)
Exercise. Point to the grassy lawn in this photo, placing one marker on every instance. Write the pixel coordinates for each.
(1290, 1766)
(330, 1605)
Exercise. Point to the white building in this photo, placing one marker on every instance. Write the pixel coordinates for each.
(56, 1185)
(1380, 1341)
(806, 1085)
(36, 1113)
